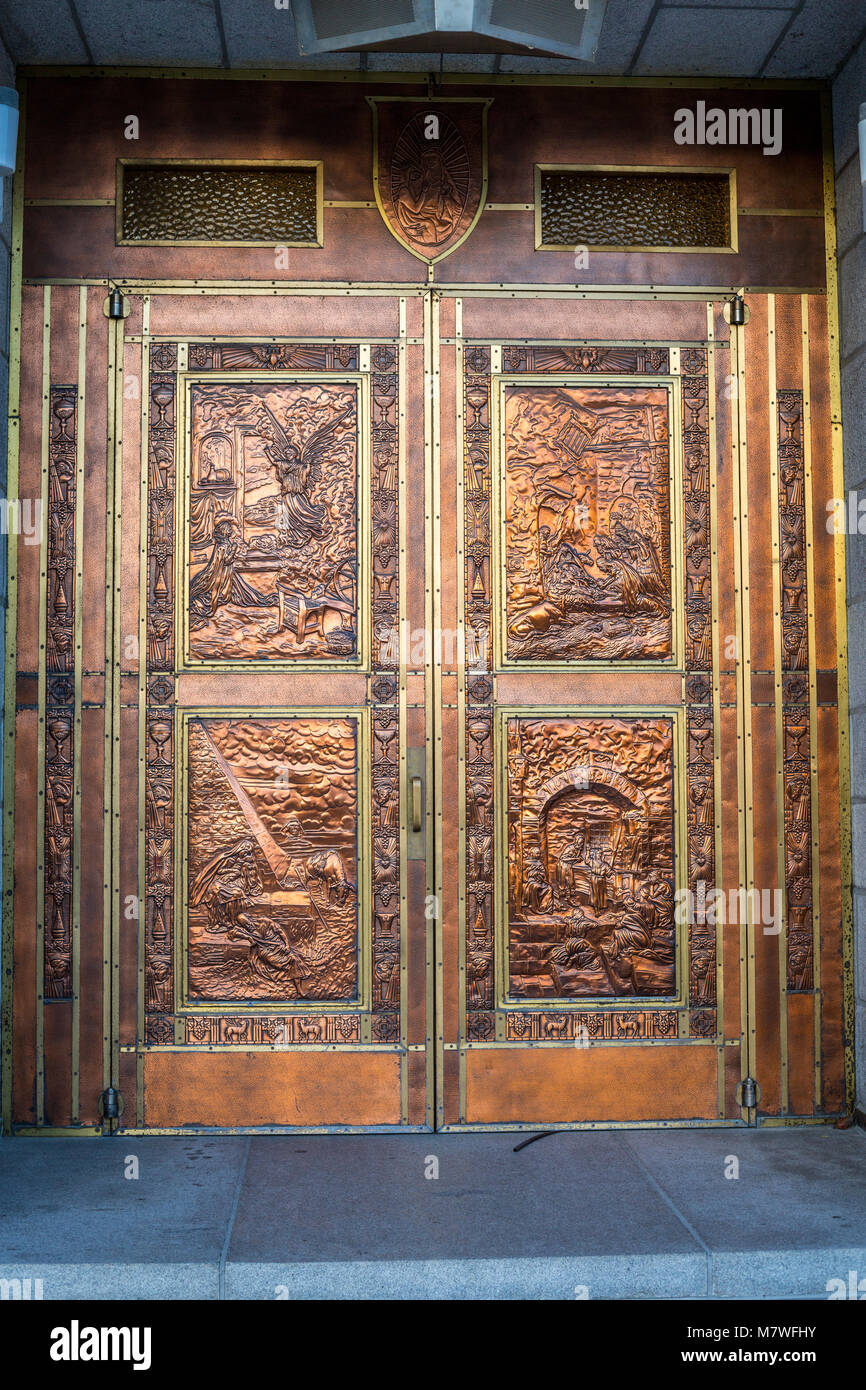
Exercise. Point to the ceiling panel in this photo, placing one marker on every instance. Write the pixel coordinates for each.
(708, 43)
(150, 31)
(699, 37)
(818, 39)
(41, 31)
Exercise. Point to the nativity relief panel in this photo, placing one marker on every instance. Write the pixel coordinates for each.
(272, 830)
(591, 857)
(586, 544)
(272, 561)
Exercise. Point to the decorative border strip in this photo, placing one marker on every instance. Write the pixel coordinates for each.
(699, 658)
(384, 689)
(796, 743)
(60, 611)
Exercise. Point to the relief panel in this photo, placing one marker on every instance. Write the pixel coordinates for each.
(272, 855)
(272, 511)
(590, 848)
(587, 537)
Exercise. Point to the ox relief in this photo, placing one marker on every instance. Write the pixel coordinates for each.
(590, 857)
(273, 519)
(272, 901)
(587, 524)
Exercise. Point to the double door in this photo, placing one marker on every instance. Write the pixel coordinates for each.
(426, 713)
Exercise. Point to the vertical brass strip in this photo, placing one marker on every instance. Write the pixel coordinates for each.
(435, 641)
(41, 686)
(839, 545)
(403, 716)
(460, 466)
(434, 1022)
(813, 695)
(144, 387)
(717, 708)
(11, 616)
(111, 843)
(773, 416)
(77, 847)
(744, 710)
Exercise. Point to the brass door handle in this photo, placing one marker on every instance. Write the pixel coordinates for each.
(415, 787)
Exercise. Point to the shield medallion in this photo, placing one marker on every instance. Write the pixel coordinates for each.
(430, 170)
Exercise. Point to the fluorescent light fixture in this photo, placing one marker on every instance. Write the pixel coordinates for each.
(861, 136)
(8, 134)
(569, 28)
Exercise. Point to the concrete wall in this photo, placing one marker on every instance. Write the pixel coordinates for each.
(849, 90)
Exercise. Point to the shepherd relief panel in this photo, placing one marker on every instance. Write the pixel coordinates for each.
(587, 524)
(590, 857)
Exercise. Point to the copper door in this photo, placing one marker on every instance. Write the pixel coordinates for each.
(229, 886)
(638, 775)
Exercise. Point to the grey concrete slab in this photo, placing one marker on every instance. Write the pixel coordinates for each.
(848, 91)
(852, 294)
(858, 842)
(818, 39)
(857, 658)
(65, 1206)
(860, 1043)
(854, 407)
(182, 32)
(707, 42)
(849, 206)
(41, 31)
(339, 1206)
(793, 1219)
(562, 1278)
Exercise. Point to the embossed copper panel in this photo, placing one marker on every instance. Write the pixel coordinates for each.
(587, 523)
(272, 561)
(272, 859)
(199, 204)
(430, 171)
(590, 857)
(633, 208)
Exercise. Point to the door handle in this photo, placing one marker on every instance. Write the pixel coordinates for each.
(415, 796)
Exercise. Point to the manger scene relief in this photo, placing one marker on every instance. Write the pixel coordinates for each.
(587, 524)
(273, 520)
(590, 858)
(272, 900)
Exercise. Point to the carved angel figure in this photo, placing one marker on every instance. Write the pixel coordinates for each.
(297, 468)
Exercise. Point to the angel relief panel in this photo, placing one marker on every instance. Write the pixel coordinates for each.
(587, 524)
(590, 857)
(272, 564)
(272, 854)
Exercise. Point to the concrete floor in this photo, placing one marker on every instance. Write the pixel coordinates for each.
(615, 1214)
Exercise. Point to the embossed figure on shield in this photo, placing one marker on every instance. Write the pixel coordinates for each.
(590, 858)
(587, 524)
(272, 904)
(273, 517)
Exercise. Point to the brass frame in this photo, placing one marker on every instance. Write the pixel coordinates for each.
(183, 1006)
(204, 161)
(361, 380)
(500, 382)
(542, 245)
(561, 1004)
